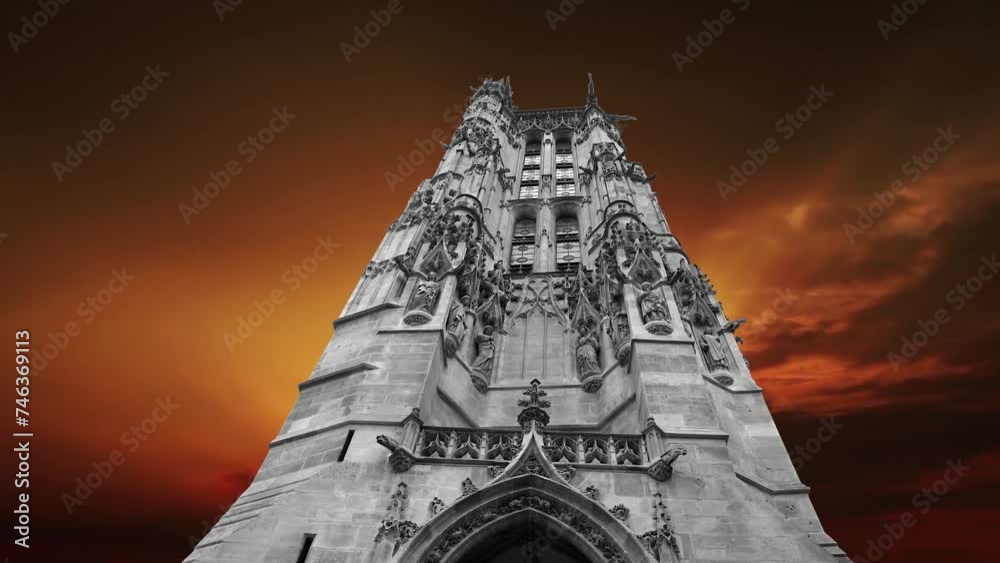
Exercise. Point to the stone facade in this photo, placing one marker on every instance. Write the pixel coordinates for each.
(530, 369)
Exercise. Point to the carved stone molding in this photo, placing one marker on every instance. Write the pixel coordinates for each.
(394, 528)
(620, 511)
(661, 541)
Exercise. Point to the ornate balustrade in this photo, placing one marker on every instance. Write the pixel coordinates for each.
(498, 446)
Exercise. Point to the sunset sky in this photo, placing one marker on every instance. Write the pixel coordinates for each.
(323, 175)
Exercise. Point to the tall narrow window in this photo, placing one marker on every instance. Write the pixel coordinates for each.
(522, 247)
(306, 546)
(565, 184)
(347, 444)
(567, 244)
(531, 172)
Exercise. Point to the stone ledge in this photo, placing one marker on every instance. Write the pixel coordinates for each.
(335, 373)
(774, 488)
(750, 390)
(371, 420)
(696, 433)
(364, 312)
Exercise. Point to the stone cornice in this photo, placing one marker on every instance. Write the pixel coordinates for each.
(336, 373)
(795, 488)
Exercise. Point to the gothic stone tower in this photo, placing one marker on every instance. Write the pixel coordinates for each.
(530, 369)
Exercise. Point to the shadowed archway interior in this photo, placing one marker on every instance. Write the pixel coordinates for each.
(525, 542)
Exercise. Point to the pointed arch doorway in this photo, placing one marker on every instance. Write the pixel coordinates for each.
(528, 538)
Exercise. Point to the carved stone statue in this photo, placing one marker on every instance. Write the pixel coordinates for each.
(586, 353)
(456, 319)
(456, 325)
(483, 364)
(652, 305)
(426, 297)
(494, 284)
(715, 354)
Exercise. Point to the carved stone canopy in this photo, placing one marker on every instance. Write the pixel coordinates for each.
(437, 264)
(644, 269)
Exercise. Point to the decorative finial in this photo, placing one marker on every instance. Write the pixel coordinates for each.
(533, 414)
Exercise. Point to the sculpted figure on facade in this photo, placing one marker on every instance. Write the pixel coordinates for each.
(495, 294)
(652, 305)
(586, 353)
(423, 303)
(482, 366)
(456, 325)
(715, 354)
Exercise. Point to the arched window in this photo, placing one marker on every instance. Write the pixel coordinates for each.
(531, 172)
(567, 244)
(522, 247)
